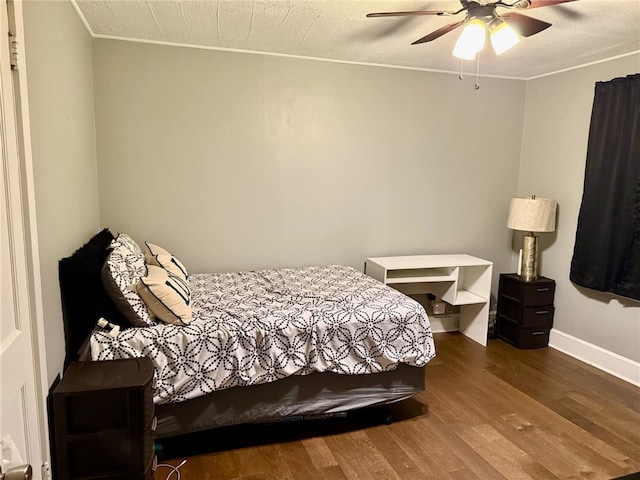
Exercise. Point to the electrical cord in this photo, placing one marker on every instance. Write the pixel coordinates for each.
(174, 469)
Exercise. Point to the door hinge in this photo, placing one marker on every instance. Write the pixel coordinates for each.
(13, 51)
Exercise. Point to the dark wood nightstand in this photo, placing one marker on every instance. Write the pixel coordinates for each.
(525, 310)
(102, 420)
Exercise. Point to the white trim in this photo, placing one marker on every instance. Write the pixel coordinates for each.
(83, 19)
(320, 59)
(301, 57)
(32, 248)
(617, 365)
(588, 64)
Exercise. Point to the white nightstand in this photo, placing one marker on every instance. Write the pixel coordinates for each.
(457, 279)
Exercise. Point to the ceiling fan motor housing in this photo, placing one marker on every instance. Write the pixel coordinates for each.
(483, 12)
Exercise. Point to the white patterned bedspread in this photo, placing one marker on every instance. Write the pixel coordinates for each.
(261, 326)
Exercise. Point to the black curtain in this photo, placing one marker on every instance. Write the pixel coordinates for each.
(606, 255)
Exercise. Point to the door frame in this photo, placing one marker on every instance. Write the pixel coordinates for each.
(24, 222)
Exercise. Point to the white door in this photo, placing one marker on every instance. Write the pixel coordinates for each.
(21, 401)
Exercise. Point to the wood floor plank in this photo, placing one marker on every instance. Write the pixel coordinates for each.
(593, 460)
(319, 453)
(333, 472)
(219, 466)
(594, 439)
(534, 437)
(374, 461)
(278, 464)
(505, 457)
(350, 462)
(464, 474)
(527, 429)
(394, 454)
(249, 462)
(615, 438)
(491, 413)
(616, 418)
(474, 462)
(555, 427)
(412, 441)
(435, 450)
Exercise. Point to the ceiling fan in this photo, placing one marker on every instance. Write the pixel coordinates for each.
(483, 17)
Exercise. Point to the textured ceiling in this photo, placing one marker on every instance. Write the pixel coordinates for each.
(583, 31)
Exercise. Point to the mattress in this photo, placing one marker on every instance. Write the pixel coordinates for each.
(257, 327)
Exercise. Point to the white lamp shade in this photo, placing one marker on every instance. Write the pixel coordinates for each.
(532, 214)
(503, 37)
(471, 40)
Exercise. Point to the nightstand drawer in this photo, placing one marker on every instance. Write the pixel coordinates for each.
(537, 316)
(528, 294)
(541, 316)
(538, 294)
(521, 337)
(533, 338)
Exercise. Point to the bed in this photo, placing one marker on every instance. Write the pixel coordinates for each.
(257, 346)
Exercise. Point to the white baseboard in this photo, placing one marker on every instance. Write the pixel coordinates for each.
(612, 363)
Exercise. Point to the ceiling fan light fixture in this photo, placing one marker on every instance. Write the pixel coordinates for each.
(471, 40)
(503, 37)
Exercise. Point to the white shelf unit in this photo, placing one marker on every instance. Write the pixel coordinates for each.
(460, 280)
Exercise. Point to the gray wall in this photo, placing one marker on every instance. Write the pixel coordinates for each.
(236, 161)
(557, 117)
(239, 161)
(58, 51)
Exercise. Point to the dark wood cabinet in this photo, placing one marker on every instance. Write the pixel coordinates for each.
(525, 310)
(102, 421)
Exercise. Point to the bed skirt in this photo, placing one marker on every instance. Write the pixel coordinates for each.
(314, 394)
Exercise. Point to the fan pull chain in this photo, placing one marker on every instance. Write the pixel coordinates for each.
(461, 76)
(477, 84)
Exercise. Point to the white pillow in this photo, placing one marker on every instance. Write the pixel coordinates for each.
(120, 274)
(160, 257)
(167, 295)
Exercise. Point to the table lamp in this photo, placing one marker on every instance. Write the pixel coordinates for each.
(531, 215)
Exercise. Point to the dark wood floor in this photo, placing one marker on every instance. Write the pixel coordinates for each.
(487, 413)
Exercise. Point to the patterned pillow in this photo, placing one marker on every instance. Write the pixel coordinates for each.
(167, 295)
(160, 257)
(121, 272)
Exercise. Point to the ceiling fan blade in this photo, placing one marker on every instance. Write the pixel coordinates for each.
(547, 3)
(438, 33)
(523, 25)
(414, 12)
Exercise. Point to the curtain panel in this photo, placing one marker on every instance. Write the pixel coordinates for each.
(606, 254)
